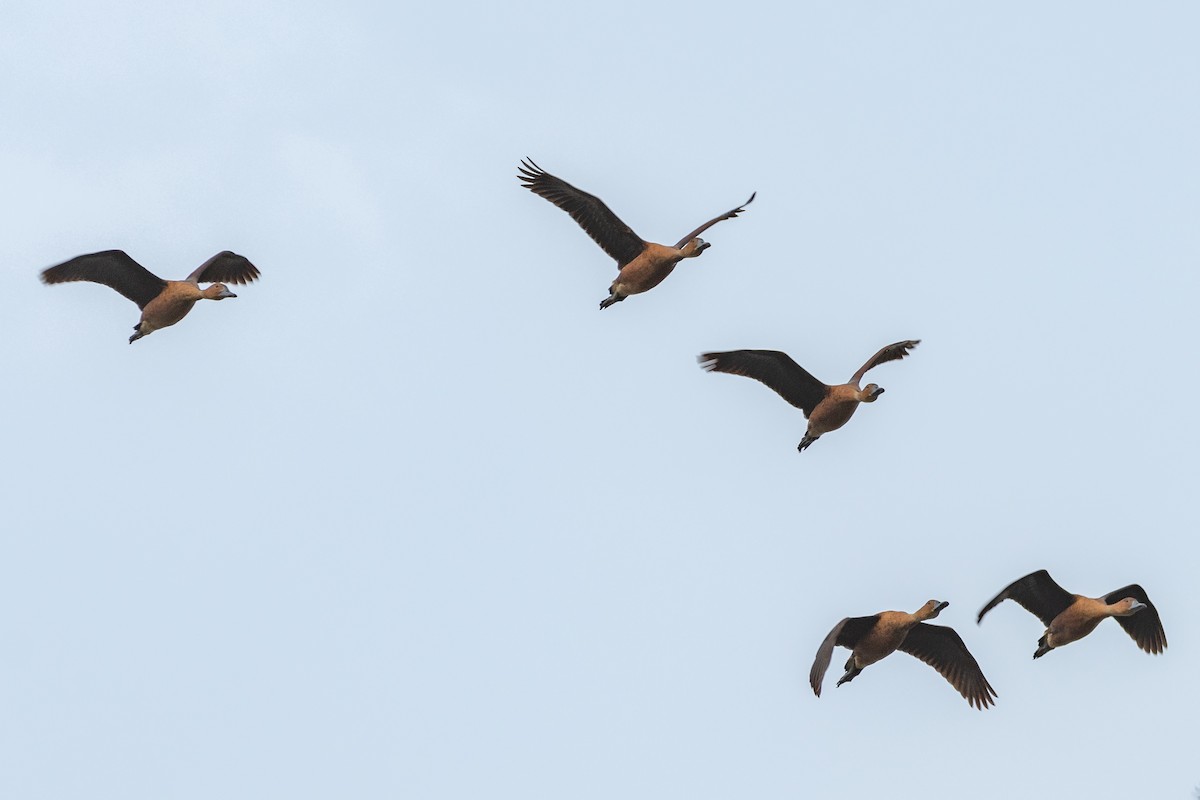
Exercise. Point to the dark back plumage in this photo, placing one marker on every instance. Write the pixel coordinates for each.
(113, 268)
(1037, 593)
(777, 370)
(606, 228)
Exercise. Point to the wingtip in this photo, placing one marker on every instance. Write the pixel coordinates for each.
(529, 166)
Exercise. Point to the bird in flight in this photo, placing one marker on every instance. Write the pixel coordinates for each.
(873, 638)
(1070, 617)
(826, 407)
(163, 303)
(641, 265)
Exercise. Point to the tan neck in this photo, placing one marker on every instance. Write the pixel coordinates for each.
(1119, 609)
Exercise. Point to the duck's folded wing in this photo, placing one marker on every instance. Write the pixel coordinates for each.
(845, 634)
(606, 228)
(225, 267)
(727, 215)
(1037, 593)
(1145, 626)
(113, 268)
(943, 649)
(775, 369)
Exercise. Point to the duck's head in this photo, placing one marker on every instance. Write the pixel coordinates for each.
(218, 291)
(872, 392)
(1129, 606)
(932, 609)
(695, 247)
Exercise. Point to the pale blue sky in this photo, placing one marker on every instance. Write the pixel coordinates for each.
(411, 518)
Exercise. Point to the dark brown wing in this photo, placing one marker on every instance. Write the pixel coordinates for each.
(224, 267)
(1037, 593)
(113, 268)
(889, 353)
(773, 368)
(1145, 626)
(943, 649)
(615, 237)
(715, 220)
(845, 634)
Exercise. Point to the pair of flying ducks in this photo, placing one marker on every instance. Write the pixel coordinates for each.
(1067, 617)
(642, 265)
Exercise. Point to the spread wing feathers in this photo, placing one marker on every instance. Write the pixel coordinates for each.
(1037, 593)
(1145, 626)
(224, 267)
(846, 633)
(113, 268)
(715, 220)
(775, 369)
(889, 353)
(606, 228)
(943, 649)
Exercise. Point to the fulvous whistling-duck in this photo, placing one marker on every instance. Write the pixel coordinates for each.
(641, 265)
(873, 638)
(1070, 617)
(163, 303)
(827, 407)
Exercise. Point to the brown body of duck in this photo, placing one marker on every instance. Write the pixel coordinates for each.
(826, 407)
(163, 302)
(641, 265)
(873, 638)
(1070, 617)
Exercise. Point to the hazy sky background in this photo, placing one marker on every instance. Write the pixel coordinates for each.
(412, 518)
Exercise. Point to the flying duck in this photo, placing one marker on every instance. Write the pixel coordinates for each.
(873, 638)
(163, 303)
(1070, 617)
(826, 407)
(641, 265)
